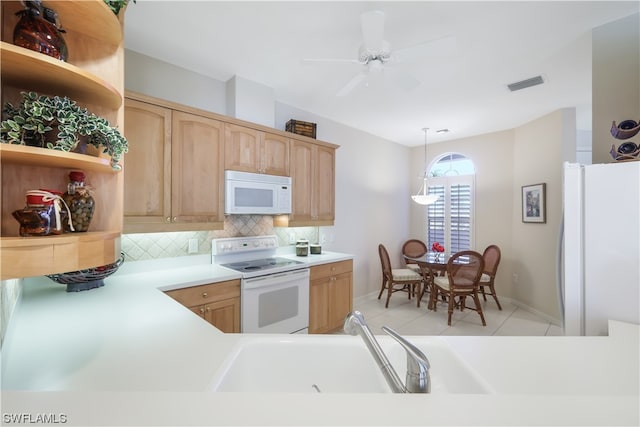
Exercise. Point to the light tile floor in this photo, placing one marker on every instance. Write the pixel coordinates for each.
(405, 318)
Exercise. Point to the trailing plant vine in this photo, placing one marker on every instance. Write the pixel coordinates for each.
(116, 5)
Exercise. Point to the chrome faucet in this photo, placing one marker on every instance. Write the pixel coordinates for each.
(418, 379)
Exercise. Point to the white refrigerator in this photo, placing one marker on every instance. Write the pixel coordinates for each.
(600, 257)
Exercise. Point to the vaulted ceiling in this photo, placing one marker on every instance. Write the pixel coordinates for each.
(456, 78)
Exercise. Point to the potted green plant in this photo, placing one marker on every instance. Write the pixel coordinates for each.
(116, 5)
(58, 123)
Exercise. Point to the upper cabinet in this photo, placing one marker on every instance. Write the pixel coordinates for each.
(94, 77)
(178, 178)
(313, 177)
(256, 151)
(180, 154)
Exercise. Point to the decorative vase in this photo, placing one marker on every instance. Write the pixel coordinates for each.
(80, 202)
(36, 33)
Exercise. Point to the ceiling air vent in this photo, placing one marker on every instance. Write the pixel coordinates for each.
(533, 81)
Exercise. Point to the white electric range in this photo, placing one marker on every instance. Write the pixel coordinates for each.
(274, 291)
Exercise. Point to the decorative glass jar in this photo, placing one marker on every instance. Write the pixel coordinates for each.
(37, 30)
(43, 214)
(80, 202)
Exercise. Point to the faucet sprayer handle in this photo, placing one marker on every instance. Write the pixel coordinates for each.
(418, 378)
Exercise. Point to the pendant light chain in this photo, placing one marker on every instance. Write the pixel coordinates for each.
(422, 197)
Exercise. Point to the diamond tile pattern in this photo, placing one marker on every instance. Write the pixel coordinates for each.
(137, 247)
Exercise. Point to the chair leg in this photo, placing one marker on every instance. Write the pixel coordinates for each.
(418, 294)
(389, 292)
(483, 295)
(495, 297)
(476, 299)
(382, 289)
(451, 305)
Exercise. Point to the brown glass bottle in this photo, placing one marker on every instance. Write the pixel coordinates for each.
(36, 33)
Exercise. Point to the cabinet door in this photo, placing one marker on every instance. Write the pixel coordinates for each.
(242, 148)
(302, 169)
(340, 299)
(197, 168)
(147, 178)
(318, 306)
(275, 155)
(224, 315)
(324, 184)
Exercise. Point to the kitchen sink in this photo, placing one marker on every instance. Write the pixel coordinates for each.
(335, 364)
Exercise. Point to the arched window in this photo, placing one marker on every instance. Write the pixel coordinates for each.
(450, 218)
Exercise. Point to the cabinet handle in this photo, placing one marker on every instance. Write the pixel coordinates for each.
(204, 295)
(175, 219)
(167, 219)
(208, 308)
(201, 310)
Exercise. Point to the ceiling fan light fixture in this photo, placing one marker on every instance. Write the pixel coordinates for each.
(422, 198)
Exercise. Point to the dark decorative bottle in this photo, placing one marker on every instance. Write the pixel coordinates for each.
(80, 202)
(43, 214)
(37, 30)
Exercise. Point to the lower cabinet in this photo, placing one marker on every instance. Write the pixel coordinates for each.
(218, 303)
(330, 296)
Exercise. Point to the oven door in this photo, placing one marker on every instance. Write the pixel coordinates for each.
(276, 303)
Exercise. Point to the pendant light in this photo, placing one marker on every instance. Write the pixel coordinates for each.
(422, 197)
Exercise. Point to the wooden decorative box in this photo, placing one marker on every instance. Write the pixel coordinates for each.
(301, 128)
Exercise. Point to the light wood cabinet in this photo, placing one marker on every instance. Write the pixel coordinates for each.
(313, 177)
(330, 296)
(178, 182)
(251, 150)
(94, 78)
(217, 303)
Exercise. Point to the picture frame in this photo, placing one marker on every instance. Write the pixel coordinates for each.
(534, 203)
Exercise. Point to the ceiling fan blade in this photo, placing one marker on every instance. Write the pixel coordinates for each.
(372, 30)
(429, 50)
(352, 84)
(311, 61)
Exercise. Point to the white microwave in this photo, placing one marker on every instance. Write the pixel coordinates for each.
(254, 193)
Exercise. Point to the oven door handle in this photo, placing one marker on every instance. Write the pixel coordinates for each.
(275, 279)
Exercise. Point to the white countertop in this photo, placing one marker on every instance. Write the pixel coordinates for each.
(126, 353)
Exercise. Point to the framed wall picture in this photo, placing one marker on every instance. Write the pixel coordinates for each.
(534, 203)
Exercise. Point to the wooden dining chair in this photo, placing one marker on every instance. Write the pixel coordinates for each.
(491, 258)
(414, 248)
(464, 270)
(397, 279)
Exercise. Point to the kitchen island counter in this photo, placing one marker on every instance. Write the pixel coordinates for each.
(128, 354)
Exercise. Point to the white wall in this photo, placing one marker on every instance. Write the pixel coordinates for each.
(372, 195)
(535, 246)
(160, 79)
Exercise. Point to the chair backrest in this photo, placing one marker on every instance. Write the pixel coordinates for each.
(464, 269)
(384, 260)
(491, 258)
(414, 248)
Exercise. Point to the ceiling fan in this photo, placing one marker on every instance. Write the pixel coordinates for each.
(375, 54)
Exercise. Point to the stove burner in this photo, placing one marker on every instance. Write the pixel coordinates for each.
(238, 264)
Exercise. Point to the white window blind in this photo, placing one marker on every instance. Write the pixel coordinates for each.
(450, 218)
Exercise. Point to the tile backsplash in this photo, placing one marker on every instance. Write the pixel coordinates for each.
(145, 246)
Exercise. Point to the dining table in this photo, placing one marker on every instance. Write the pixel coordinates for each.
(431, 264)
